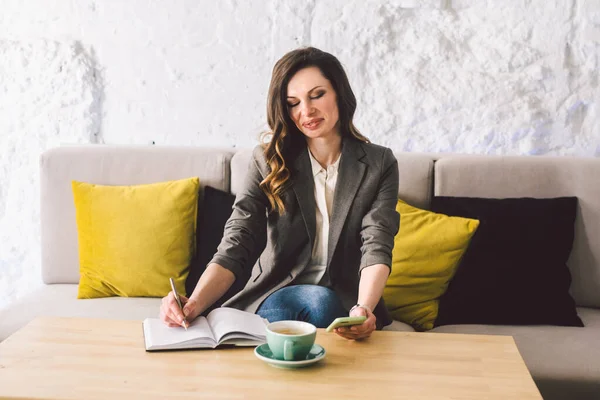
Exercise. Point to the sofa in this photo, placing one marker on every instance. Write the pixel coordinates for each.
(564, 361)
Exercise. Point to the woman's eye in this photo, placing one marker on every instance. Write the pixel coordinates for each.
(317, 96)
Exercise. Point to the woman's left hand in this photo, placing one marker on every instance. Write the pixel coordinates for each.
(361, 331)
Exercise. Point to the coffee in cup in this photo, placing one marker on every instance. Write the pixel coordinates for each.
(291, 340)
(289, 331)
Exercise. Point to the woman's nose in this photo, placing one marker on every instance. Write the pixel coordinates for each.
(307, 109)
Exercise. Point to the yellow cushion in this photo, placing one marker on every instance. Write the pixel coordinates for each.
(133, 238)
(427, 251)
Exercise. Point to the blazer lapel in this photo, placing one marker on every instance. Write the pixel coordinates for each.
(350, 175)
(304, 188)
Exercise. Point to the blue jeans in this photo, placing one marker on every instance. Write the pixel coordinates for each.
(311, 303)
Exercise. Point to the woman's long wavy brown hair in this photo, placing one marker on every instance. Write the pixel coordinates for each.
(284, 140)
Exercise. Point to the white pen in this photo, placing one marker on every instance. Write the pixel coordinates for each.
(178, 300)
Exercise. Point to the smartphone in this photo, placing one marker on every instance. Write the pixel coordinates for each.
(345, 321)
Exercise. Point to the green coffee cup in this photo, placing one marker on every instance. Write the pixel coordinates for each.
(291, 340)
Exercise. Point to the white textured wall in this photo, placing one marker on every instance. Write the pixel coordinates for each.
(494, 77)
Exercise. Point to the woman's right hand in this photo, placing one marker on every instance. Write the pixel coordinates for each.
(171, 315)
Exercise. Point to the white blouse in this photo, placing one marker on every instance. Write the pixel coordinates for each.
(325, 180)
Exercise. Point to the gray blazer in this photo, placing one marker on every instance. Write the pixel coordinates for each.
(270, 251)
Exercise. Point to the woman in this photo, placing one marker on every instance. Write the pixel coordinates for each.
(316, 217)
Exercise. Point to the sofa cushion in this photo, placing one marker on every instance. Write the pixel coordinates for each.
(215, 211)
(128, 232)
(564, 361)
(540, 177)
(61, 300)
(514, 271)
(109, 165)
(212, 216)
(416, 176)
(427, 249)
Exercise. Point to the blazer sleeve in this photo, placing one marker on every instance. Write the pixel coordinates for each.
(245, 233)
(381, 223)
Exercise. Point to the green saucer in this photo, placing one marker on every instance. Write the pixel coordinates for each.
(316, 354)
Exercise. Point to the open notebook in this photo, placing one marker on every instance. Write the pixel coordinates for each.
(222, 326)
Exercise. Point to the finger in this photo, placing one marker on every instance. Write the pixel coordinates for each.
(360, 327)
(345, 333)
(189, 308)
(167, 319)
(357, 335)
(164, 309)
(364, 327)
(347, 336)
(174, 306)
(175, 314)
(368, 324)
(170, 298)
(170, 313)
(171, 302)
(341, 333)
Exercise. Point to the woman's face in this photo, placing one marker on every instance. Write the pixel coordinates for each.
(312, 104)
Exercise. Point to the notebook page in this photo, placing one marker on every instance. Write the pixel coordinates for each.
(159, 334)
(225, 320)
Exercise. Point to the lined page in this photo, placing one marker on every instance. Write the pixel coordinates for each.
(159, 334)
(225, 320)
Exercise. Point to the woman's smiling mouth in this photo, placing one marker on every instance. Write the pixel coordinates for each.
(313, 123)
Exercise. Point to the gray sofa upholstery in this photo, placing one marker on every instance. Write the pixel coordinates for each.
(564, 361)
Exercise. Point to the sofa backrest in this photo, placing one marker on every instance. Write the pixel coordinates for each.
(416, 176)
(473, 176)
(540, 177)
(109, 165)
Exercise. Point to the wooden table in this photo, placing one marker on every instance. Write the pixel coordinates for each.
(76, 358)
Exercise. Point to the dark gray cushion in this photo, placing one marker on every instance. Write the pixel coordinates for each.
(514, 271)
